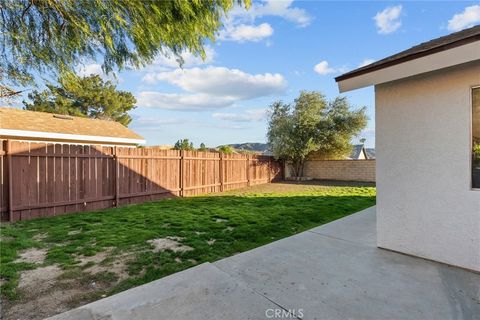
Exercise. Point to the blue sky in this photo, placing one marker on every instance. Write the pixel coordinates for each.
(271, 52)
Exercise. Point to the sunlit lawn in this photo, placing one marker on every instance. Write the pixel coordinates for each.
(213, 227)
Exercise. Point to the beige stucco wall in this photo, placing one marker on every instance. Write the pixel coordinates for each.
(425, 206)
(343, 170)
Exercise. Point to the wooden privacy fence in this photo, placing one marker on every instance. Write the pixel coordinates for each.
(48, 179)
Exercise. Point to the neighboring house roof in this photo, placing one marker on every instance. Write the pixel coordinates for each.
(370, 153)
(358, 152)
(453, 49)
(16, 123)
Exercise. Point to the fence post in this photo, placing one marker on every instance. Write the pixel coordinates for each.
(182, 170)
(220, 167)
(248, 170)
(117, 173)
(8, 153)
(269, 169)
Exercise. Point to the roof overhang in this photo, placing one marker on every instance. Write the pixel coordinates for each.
(53, 136)
(431, 62)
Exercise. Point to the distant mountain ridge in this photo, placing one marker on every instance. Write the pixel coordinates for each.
(250, 146)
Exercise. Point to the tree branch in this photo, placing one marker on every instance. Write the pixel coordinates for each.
(27, 8)
(6, 92)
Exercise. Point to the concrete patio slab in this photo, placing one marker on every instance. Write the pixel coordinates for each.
(203, 292)
(360, 228)
(336, 278)
(330, 272)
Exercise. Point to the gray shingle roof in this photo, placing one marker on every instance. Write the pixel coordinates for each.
(370, 153)
(356, 151)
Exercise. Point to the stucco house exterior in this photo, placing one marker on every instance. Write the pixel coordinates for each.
(16, 124)
(427, 100)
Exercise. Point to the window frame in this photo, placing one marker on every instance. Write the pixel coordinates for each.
(472, 88)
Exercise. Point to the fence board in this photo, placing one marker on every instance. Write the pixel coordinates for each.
(3, 182)
(49, 179)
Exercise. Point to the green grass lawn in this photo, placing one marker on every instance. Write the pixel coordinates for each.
(211, 227)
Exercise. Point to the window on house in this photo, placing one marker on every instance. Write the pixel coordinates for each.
(476, 138)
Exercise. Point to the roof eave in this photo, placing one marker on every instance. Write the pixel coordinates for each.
(432, 61)
(412, 56)
(69, 137)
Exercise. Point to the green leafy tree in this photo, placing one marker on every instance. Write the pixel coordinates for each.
(184, 144)
(312, 125)
(226, 149)
(476, 151)
(85, 97)
(50, 37)
(202, 147)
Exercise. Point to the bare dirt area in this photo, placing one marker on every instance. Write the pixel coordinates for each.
(32, 255)
(41, 295)
(105, 263)
(49, 290)
(169, 243)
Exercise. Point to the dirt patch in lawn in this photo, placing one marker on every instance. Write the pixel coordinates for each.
(41, 295)
(117, 265)
(32, 255)
(38, 280)
(169, 243)
(96, 258)
(49, 290)
(46, 305)
(39, 237)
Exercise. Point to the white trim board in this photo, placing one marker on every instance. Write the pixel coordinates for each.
(444, 59)
(66, 136)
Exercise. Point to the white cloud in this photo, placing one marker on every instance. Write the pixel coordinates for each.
(283, 9)
(146, 122)
(247, 116)
(323, 68)
(181, 102)
(243, 32)
(89, 69)
(468, 18)
(366, 62)
(388, 20)
(239, 25)
(222, 82)
(168, 60)
(224, 126)
(85, 70)
(209, 88)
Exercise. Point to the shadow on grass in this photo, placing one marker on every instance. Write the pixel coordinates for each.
(214, 226)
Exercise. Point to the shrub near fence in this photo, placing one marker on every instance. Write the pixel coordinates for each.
(48, 179)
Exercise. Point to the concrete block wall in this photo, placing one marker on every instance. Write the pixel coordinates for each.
(342, 170)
